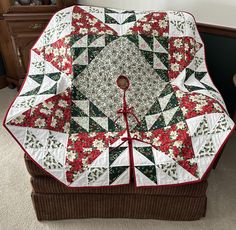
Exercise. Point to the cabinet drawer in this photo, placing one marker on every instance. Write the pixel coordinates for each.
(27, 26)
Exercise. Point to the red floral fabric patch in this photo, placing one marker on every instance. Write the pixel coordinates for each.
(194, 104)
(58, 54)
(52, 114)
(175, 142)
(85, 23)
(181, 52)
(153, 24)
(84, 148)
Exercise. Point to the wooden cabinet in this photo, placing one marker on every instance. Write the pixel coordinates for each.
(24, 30)
(20, 27)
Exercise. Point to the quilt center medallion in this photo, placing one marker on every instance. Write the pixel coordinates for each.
(98, 80)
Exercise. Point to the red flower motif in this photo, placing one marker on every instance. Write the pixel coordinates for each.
(191, 106)
(191, 168)
(54, 117)
(92, 156)
(152, 24)
(88, 24)
(58, 54)
(185, 47)
(79, 142)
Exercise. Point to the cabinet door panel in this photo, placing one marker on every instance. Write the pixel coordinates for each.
(27, 26)
(23, 46)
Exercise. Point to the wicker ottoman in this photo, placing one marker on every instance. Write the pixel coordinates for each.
(54, 201)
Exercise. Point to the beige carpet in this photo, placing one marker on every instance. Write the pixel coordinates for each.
(16, 211)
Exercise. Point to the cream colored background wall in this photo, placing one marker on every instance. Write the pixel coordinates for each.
(216, 12)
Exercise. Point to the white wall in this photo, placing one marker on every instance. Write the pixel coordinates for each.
(216, 12)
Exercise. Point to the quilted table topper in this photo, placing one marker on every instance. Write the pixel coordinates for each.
(112, 95)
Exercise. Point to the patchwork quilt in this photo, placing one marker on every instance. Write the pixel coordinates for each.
(112, 95)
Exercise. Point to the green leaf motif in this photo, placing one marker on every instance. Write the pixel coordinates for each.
(95, 173)
(179, 25)
(169, 169)
(53, 142)
(149, 172)
(203, 128)
(25, 104)
(50, 162)
(31, 141)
